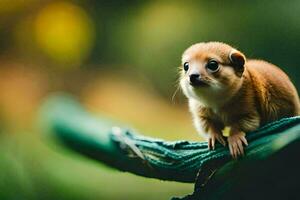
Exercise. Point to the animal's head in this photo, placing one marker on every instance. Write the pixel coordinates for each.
(211, 69)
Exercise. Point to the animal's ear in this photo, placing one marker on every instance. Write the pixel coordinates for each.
(238, 61)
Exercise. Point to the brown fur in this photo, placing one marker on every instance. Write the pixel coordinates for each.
(259, 94)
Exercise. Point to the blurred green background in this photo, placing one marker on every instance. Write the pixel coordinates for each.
(120, 59)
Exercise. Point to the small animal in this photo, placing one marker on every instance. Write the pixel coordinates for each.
(226, 91)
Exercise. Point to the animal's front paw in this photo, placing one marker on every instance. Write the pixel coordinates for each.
(235, 143)
(212, 137)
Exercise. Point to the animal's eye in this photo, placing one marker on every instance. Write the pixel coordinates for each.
(212, 66)
(186, 66)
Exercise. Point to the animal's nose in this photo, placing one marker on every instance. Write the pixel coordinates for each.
(195, 79)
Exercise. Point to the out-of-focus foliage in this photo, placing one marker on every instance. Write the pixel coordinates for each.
(120, 58)
(64, 32)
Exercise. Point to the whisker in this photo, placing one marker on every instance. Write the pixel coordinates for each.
(175, 92)
(177, 84)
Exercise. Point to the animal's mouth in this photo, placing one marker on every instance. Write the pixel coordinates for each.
(199, 83)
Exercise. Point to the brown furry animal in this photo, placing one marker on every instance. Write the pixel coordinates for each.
(225, 90)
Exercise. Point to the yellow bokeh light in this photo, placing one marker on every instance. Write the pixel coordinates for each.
(64, 32)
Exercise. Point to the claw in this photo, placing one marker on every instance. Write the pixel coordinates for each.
(240, 147)
(221, 140)
(209, 143)
(244, 140)
(230, 149)
(235, 143)
(212, 141)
